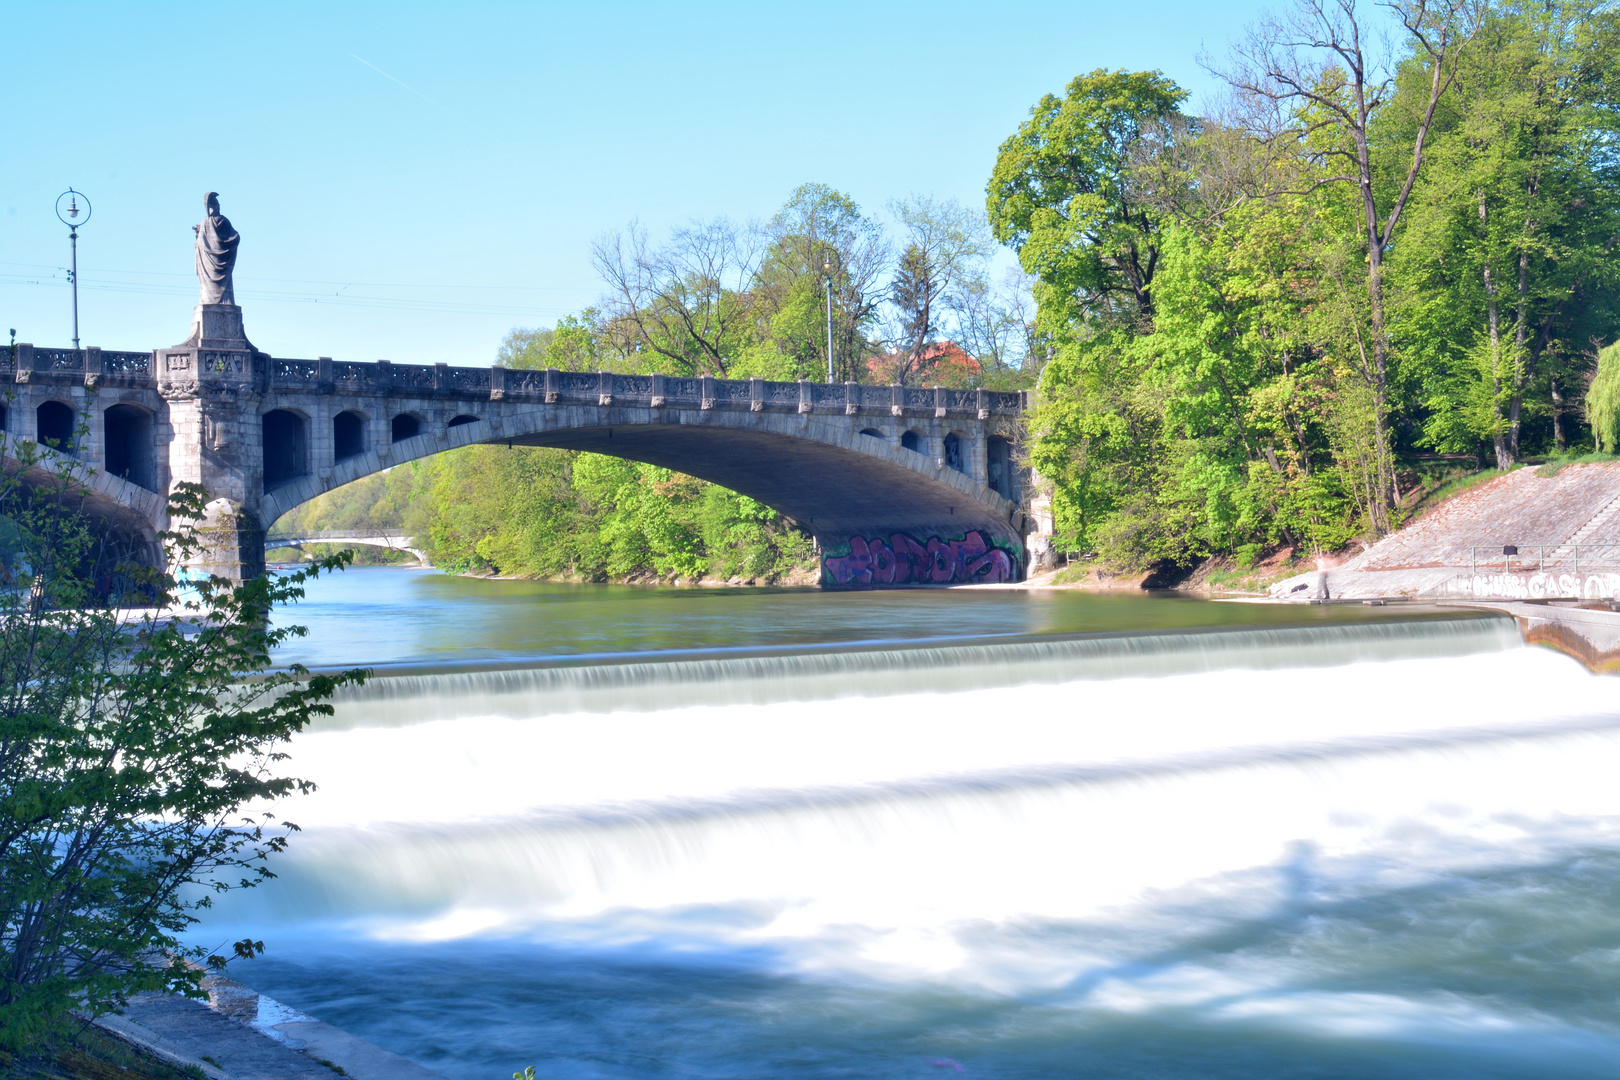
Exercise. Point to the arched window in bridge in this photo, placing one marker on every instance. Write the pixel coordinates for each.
(286, 448)
(406, 426)
(998, 461)
(348, 435)
(912, 440)
(56, 423)
(127, 442)
(953, 452)
(462, 419)
(873, 432)
(4, 417)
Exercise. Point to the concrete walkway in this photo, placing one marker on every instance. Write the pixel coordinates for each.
(240, 1034)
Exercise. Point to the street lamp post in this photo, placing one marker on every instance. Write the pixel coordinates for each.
(827, 269)
(74, 214)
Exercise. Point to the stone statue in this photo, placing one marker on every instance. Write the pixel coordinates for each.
(216, 253)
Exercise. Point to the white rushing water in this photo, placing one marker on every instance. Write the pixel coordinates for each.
(1250, 835)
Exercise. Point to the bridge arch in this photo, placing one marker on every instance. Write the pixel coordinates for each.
(348, 434)
(127, 444)
(285, 446)
(831, 477)
(56, 423)
(405, 425)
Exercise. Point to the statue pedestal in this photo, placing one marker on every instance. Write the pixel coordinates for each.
(218, 326)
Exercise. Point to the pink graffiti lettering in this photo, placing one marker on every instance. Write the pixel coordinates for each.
(901, 559)
(854, 568)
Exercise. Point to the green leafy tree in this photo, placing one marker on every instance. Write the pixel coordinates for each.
(573, 344)
(1310, 77)
(138, 722)
(1603, 400)
(1063, 195)
(820, 236)
(1509, 268)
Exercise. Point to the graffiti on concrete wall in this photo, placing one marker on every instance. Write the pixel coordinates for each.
(1547, 586)
(899, 559)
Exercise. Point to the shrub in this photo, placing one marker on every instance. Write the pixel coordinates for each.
(137, 720)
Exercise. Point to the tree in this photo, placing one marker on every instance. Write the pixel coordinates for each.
(573, 344)
(820, 236)
(1309, 81)
(686, 301)
(1603, 400)
(130, 744)
(1514, 226)
(997, 326)
(946, 246)
(1062, 193)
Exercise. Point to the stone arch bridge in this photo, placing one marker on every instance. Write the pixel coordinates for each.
(899, 485)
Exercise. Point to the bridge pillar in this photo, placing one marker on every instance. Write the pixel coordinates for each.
(232, 543)
(214, 385)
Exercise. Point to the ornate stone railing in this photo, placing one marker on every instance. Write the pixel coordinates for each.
(549, 385)
(76, 363)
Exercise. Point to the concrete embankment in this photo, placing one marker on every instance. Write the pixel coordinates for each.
(1542, 545)
(240, 1034)
(1531, 534)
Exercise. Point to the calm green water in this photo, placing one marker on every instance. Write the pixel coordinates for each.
(379, 615)
(715, 834)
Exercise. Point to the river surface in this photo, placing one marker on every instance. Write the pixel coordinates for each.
(623, 833)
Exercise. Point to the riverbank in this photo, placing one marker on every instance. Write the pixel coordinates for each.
(240, 1034)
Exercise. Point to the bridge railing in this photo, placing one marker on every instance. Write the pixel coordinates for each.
(611, 388)
(1542, 558)
(549, 385)
(77, 362)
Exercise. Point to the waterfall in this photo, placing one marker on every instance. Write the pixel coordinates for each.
(1292, 832)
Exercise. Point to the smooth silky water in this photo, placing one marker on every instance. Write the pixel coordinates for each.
(775, 833)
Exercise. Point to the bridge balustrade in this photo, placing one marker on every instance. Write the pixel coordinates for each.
(572, 387)
(126, 363)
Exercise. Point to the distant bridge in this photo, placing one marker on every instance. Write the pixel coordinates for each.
(344, 539)
(898, 484)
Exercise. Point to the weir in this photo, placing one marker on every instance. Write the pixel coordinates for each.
(1137, 847)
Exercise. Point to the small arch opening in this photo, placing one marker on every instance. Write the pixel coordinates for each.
(912, 440)
(286, 448)
(953, 452)
(348, 435)
(56, 423)
(873, 433)
(998, 466)
(406, 426)
(127, 435)
(463, 419)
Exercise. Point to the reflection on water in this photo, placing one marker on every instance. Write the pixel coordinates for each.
(381, 615)
(1362, 848)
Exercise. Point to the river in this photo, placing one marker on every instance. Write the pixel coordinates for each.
(718, 833)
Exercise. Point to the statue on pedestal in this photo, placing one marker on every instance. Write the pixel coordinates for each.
(216, 253)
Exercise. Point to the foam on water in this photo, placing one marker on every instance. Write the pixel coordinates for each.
(1330, 832)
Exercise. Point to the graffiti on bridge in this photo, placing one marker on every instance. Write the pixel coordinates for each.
(900, 559)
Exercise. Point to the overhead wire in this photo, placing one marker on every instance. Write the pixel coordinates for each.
(88, 280)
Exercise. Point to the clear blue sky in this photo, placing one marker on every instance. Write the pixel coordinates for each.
(412, 181)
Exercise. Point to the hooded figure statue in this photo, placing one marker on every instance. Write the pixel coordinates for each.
(216, 253)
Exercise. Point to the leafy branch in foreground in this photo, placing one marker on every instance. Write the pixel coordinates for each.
(140, 723)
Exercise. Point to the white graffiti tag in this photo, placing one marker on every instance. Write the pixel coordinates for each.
(1547, 586)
